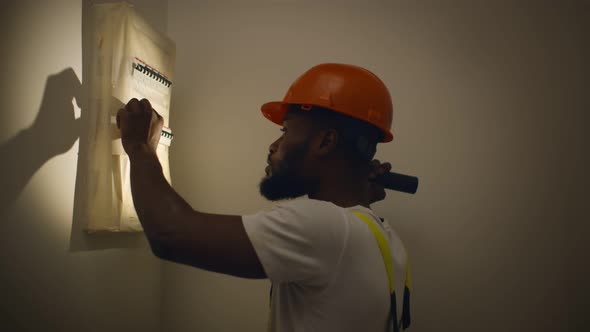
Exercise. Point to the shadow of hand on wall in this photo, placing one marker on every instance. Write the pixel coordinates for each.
(53, 132)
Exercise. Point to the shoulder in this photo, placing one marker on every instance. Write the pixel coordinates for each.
(298, 240)
(311, 208)
(301, 210)
(305, 224)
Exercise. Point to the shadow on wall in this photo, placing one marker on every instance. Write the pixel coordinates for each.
(54, 132)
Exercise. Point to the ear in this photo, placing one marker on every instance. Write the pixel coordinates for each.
(324, 142)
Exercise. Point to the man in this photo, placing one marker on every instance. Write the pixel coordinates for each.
(324, 262)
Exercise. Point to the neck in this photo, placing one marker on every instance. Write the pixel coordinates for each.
(342, 193)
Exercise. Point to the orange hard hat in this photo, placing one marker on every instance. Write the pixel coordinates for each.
(346, 89)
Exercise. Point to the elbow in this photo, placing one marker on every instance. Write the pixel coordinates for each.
(166, 247)
(159, 246)
(159, 250)
(169, 253)
(162, 240)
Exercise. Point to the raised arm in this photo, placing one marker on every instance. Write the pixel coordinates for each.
(175, 231)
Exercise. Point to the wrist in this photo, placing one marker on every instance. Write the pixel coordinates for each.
(141, 152)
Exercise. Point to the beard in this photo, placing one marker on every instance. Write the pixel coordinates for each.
(285, 182)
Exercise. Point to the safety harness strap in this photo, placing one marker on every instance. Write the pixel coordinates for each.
(387, 260)
(386, 254)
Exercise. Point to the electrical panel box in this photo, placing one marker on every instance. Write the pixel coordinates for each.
(128, 59)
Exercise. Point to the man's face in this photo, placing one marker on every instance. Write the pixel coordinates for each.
(285, 174)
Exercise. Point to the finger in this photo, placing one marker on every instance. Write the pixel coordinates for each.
(374, 164)
(132, 105)
(159, 120)
(157, 114)
(146, 104)
(372, 175)
(384, 168)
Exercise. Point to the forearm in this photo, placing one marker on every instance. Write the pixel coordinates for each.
(161, 211)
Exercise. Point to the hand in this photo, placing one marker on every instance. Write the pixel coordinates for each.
(140, 126)
(376, 189)
(56, 124)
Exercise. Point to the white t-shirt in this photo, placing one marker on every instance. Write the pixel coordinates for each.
(325, 267)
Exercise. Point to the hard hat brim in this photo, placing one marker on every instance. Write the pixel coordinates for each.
(274, 111)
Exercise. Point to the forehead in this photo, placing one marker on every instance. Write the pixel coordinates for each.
(293, 119)
(299, 122)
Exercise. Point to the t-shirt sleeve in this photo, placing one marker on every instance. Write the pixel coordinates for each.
(298, 241)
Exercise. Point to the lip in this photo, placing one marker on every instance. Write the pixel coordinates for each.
(267, 169)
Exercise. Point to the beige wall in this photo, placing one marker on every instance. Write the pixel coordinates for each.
(53, 277)
(488, 113)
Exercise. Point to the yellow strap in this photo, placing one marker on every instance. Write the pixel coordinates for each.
(385, 253)
(408, 278)
(383, 247)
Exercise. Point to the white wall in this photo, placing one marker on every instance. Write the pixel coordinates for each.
(488, 113)
(54, 277)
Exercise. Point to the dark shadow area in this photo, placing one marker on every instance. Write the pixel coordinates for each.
(80, 240)
(53, 132)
